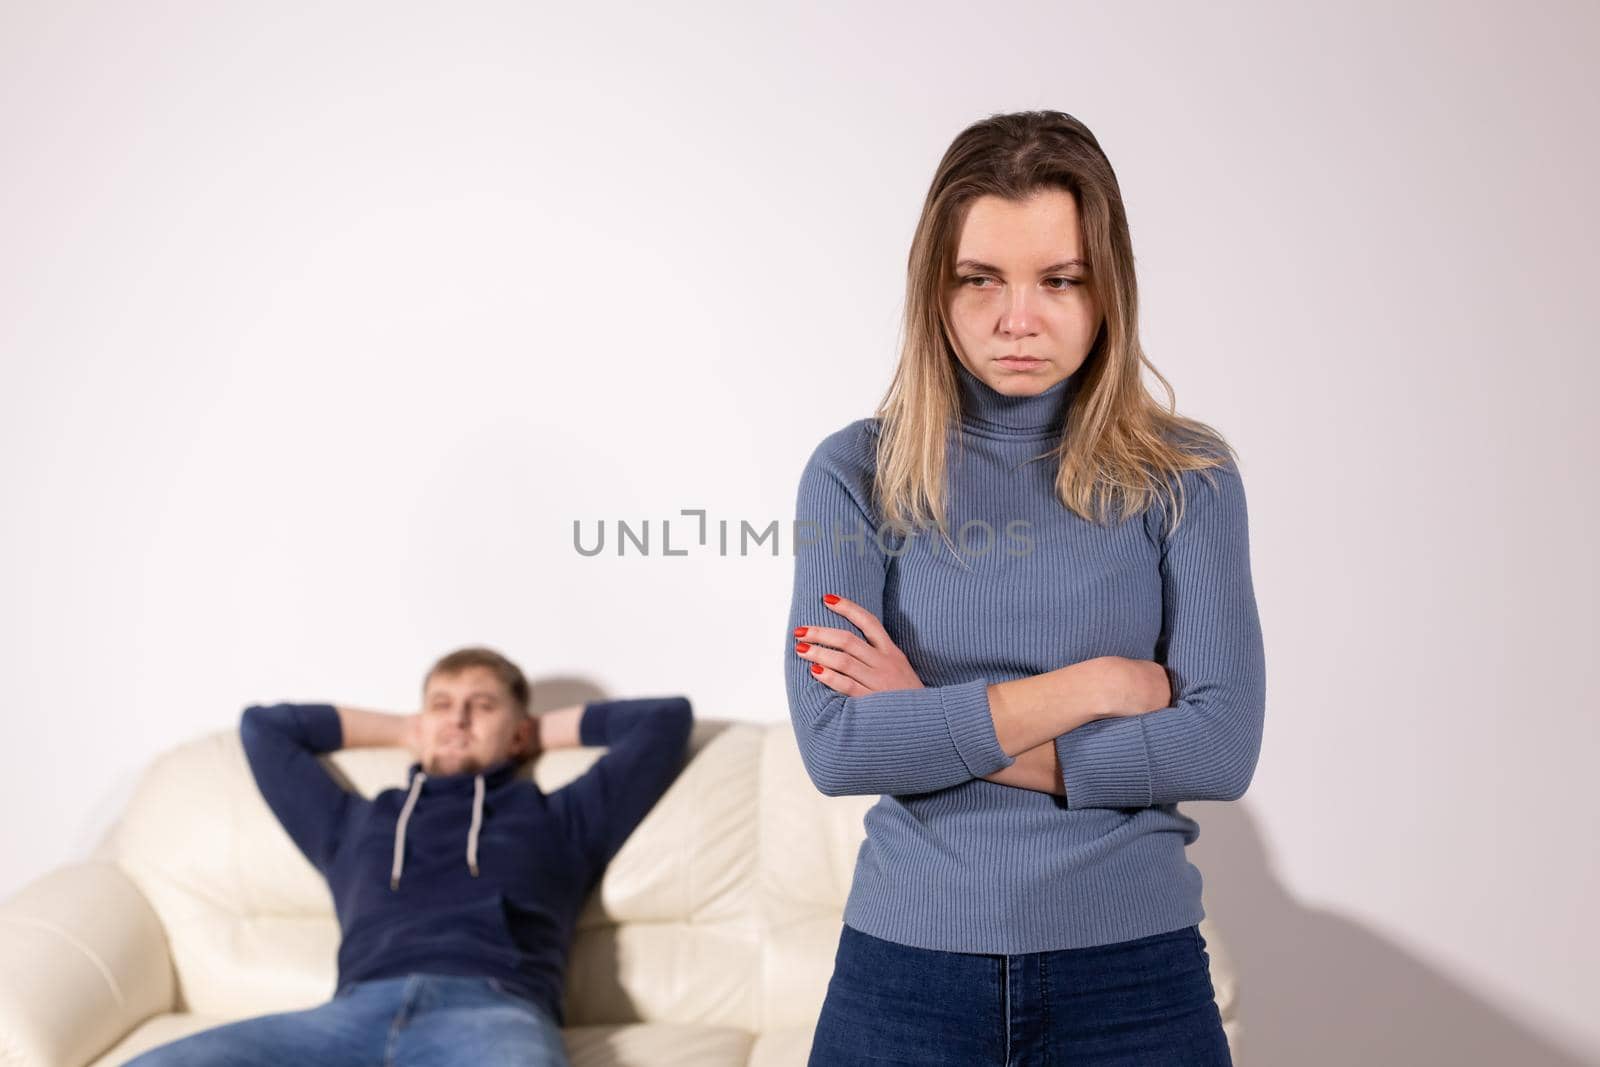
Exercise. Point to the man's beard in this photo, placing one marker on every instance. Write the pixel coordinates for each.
(453, 763)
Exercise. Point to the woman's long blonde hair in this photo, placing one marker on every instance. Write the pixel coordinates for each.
(1120, 450)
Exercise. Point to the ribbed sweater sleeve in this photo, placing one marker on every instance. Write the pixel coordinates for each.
(281, 743)
(1205, 745)
(647, 739)
(891, 741)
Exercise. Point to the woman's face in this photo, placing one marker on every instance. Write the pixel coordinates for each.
(1021, 289)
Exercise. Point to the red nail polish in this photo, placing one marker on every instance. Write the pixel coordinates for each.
(830, 599)
(816, 668)
(802, 647)
(800, 631)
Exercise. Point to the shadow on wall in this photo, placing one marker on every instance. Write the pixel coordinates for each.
(1320, 990)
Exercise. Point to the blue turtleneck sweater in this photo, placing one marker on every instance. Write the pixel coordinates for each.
(952, 861)
(538, 856)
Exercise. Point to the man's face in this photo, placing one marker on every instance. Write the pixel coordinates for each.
(470, 722)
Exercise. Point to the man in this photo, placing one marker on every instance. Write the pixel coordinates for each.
(456, 896)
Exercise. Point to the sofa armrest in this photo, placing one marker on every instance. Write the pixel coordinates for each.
(86, 961)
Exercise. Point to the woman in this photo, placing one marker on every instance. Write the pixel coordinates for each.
(1023, 613)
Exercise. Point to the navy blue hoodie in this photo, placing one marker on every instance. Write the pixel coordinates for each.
(401, 865)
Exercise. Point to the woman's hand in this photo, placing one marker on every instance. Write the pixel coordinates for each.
(1131, 686)
(848, 664)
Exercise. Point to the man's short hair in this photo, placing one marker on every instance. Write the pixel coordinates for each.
(509, 673)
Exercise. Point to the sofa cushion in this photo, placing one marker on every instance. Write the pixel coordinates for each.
(632, 1045)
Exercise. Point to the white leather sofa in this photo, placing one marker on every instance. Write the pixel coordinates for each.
(709, 942)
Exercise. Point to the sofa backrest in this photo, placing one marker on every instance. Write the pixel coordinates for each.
(723, 907)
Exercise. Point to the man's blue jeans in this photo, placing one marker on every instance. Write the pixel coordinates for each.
(1142, 1003)
(421, 1020)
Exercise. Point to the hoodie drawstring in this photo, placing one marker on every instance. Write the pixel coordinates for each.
(477, 821)
(405, 817)
(400, 830)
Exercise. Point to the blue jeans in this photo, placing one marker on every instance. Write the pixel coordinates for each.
(419, 1019)
(1142, 1003)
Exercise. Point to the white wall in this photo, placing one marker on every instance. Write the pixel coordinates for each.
(322, 323)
